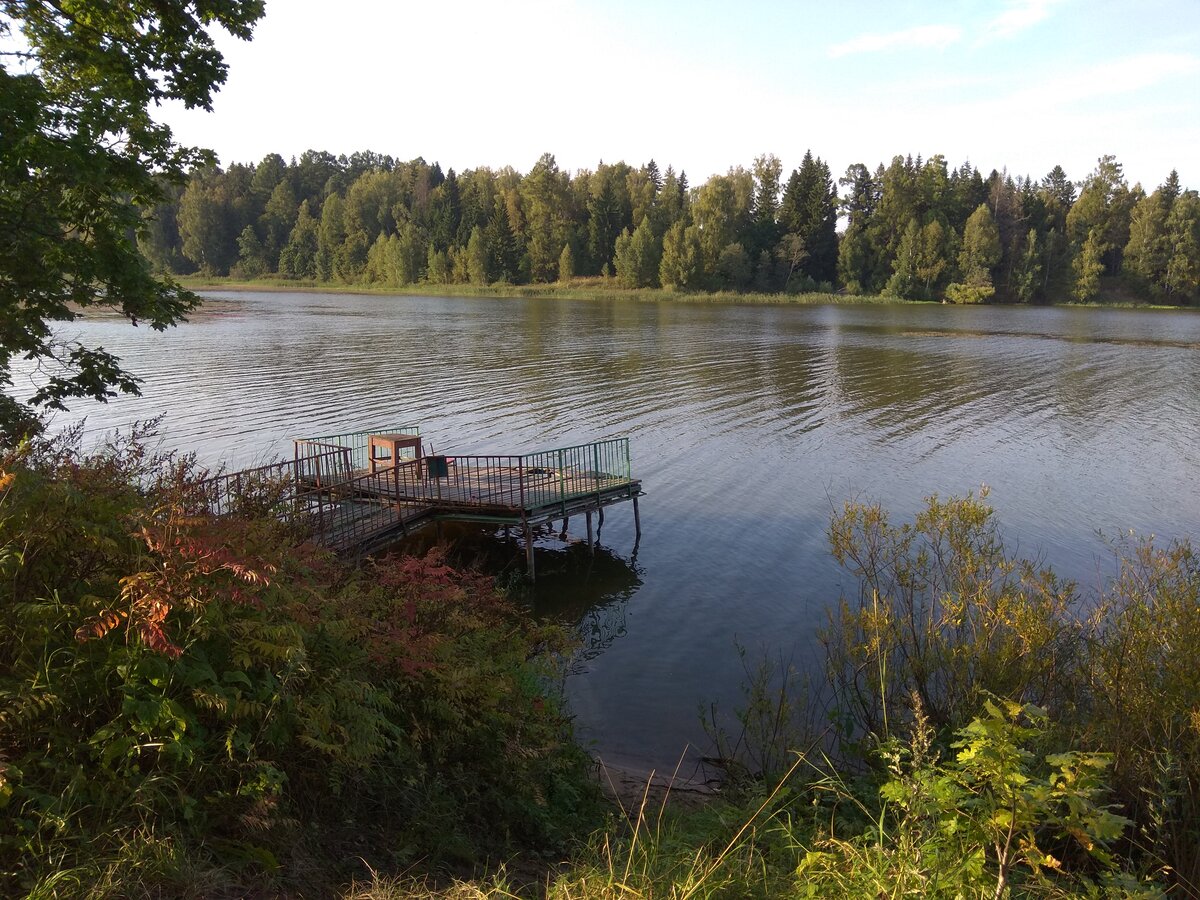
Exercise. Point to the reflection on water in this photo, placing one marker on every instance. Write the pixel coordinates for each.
(584, 589)
(748, 426)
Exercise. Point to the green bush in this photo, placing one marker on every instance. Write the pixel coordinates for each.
(946, 617)
(1143, 696)
(995, 818)
(208, 694)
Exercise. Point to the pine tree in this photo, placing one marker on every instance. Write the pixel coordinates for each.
(251, 257)
(809, 211)
(1027, 283)
(904, 281)
(504, 257)
(604, 218)
(765, 235)
(654, 176)
(298, 259)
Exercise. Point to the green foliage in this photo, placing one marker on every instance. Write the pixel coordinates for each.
(1088, 267)
(946, 618)
(680, 266)
(991, 815)
(163, 673)
(81, 159)
(566, 264)
(969, 293)
(437, 266)
(733, 270)
(252, 261)
(637, 257)
(477, 258)
(1143, 691)
(987, 822)
(980, 245)
(943, 616)
(904, 282)
(809, 213)
(1102, 214)
(1183, 268)
(298, 258)
(975, 239)
(1027, 277)
(1148, 253)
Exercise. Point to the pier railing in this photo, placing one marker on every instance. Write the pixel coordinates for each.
(528, 481)
(278, 489)
(330, 497)
(319, 492)
(599, 461)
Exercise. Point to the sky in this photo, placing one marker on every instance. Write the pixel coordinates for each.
(704, 85)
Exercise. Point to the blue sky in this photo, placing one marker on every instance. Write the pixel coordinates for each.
(703, 85)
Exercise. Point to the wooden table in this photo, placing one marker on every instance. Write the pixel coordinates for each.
(392, 443)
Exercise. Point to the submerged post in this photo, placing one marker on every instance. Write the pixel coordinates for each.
(637, 519)
(529, 570)
(588, 516)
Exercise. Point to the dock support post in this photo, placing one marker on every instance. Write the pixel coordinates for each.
(637, 519)
(563, 535)
(529, 571)
(591, 545)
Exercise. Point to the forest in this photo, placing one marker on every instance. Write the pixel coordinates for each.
(914, 229)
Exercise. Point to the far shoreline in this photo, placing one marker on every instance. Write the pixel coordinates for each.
(596, 289)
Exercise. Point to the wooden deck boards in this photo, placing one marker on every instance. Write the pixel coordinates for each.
(497, 489)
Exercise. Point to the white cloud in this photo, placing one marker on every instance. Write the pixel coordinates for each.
(1019, 15)
(923, 36)
(1111, 78)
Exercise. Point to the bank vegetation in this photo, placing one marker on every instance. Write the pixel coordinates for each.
(211, 707)
(913, 229)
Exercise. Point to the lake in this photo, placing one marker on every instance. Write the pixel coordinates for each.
(749, 426)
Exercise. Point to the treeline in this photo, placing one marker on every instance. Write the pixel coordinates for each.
(914, 229)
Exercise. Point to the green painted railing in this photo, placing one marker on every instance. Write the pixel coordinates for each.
(599, 463)
(527, 482)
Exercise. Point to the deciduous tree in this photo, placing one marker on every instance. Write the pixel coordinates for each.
(81, 158)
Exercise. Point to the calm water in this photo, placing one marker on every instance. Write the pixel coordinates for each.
(749, 424)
